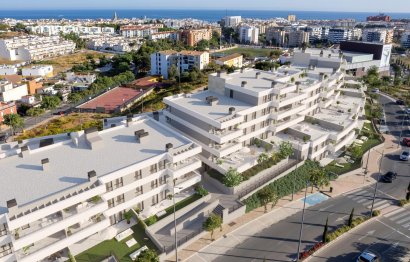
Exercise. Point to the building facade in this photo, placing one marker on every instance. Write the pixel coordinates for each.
(192, 37)
(55, 30)
(8, 70)
(42, 70)
(405, 40)
(249, 35)
(50, 207)
(232, 21)
(12, 92)
(6, 109)
(297, 38)
(233, 60)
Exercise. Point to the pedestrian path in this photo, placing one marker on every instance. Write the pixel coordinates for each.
(400, 217)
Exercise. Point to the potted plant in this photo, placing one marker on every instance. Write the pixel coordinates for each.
(128, 216)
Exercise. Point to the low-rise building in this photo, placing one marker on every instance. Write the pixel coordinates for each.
(12, 92)
(171, 35)
(8, 70)
(138, 31)
(55, 30)
(233, 60)
(41, 70)
(109, 43)
(33, 48)
(161, 62)
(6, 109)
(33, 84)
(337, 35)
(53, 204)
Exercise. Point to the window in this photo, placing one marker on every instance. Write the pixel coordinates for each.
(3, 230)
(109, 186)
(120, 199)
(5, 250)
(138, 175)
(155, 200)
(246, 118)
(118, 183)
(162, 180)
(231, 93)
(153, 168)
(25, 226)
(253, 128)
(254, 115)
(154, 184)
(161, 165)
(111, 203)
(138, 191)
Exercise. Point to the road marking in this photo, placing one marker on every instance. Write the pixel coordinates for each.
(356, 190)
(392, 228)
(361, 199)
(406, 225)
(403, 220)
(399, 216)
(324, 208)
(367, 234)
(368, 203)
(384, 206)
(394, 212)
(380, 203)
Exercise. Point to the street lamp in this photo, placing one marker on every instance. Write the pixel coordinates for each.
(303, 221)
(296, 167)
(377, 183)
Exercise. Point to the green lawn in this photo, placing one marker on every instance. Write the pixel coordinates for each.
(250, 52)
(170, 210)
(120, 249)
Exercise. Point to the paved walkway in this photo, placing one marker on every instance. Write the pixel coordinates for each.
(286, 207)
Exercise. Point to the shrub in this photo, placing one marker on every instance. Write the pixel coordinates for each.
(232, 178)
(200, 190)
(151, 220)
(376, 213)
(403, 202)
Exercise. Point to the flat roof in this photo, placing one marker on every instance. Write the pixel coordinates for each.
(335, 114)
(112, 99)
(229, 57)
(24, 179)
(197, 103)
(314, 131)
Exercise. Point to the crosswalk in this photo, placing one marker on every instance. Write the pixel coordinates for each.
(364, 196)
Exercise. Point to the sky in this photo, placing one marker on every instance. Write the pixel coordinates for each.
(401, 6)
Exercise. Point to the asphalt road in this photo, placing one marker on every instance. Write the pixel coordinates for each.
(278, 241)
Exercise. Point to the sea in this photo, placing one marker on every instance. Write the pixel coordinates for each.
(206, 15)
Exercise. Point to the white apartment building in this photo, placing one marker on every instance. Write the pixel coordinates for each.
(337, 35)
(109, 43)
(405, 40)
(297, 38)
(232, 21)
(8, 70)
(184, 61)
(249, 34)
(172, 35)
(250, 105)
(33, 48)
(276, 36)
(10, 92)
(63, 189)
(41, 70)
(384, 36)
(138, 31)
(55, 30)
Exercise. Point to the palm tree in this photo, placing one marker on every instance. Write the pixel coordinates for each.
(318, 177)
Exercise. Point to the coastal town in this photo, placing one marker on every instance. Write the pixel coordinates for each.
(242, 139)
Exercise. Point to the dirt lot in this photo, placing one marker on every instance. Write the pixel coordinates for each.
(64, 63)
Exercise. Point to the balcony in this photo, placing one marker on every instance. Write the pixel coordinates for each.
(183, 167)
(187, 181)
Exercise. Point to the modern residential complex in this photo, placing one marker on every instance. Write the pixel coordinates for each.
(50, 205)
(139, 31)
(55, 30)
(34, 48)
(378, 35)
(337, 35)
(250, 105)
(161, 62)
(111, 43)
(232, 21)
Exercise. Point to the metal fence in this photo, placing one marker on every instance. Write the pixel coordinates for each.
(169, 249)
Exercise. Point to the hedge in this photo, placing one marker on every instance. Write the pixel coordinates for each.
(284, 186)
(259, 167)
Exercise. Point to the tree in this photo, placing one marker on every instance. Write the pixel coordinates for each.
(74, 98)
(148, 255)
(14, 121)
(350, 221)
(172, 72)
(35, 112)
(202, 45)
(267, 195)
(356, 151)
(325, 231)
(128, 216)
(285, 150)
(318, 177)
(263, 158)
(232, 178)
(211, 223)
(50, 102)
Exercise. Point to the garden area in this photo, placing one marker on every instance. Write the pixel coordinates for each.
(119, 249)
(65, 124)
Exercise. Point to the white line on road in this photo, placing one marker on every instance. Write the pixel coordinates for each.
(399, 216)
(384, 206)
(362, 200)
(392, 228)
(403, 220)
(324, 208)
(394, 212)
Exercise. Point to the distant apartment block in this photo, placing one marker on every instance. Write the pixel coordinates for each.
(337, 35)
(232, 21)
(292, 18)
(34, 48)
(8, 70)
(233, 60)
(49, 205)
(192, 37)
(42, 70)
(384, 36)
(11, 92)
(109, 43)
(405, 40)
(172, 35)
(55, 30)
(139, 31)
(297, 38)
(249, 34)
(379, 18)
(308, 108)
(184, 61)
(276, 36)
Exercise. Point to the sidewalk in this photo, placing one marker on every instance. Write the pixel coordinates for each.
(286, 207)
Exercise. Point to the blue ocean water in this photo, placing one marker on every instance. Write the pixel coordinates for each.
(207, 15)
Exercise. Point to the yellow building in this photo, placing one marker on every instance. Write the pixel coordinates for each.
(234, 60)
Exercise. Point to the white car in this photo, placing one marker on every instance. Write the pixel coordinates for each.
(367, 256)
(407, 110)
(405, 156)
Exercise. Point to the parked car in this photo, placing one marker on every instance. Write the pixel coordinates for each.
(400, 102)
(406, 141)
(367, 256)
(405, 156)
(389, 177)
(407, 110)
(376, 90)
